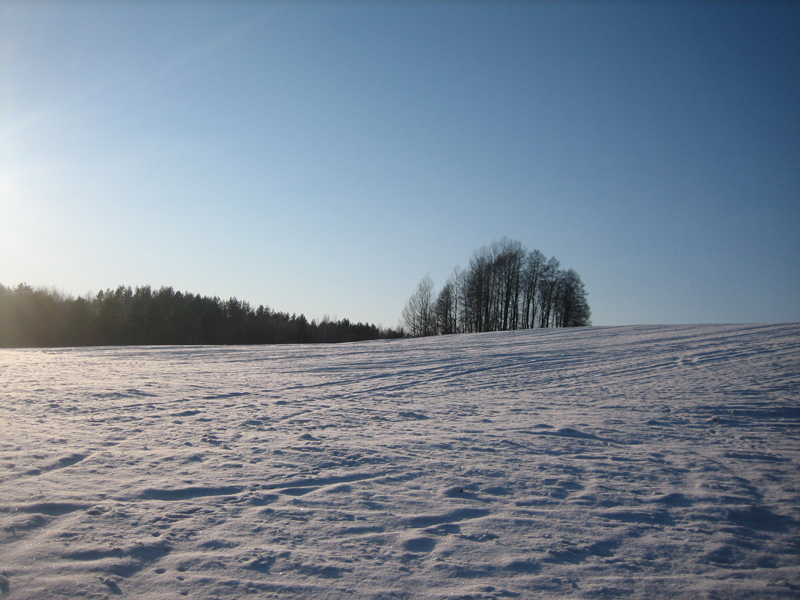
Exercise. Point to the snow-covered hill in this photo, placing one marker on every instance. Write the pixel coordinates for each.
(647, 462)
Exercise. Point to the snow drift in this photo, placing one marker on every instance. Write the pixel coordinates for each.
(646, 462)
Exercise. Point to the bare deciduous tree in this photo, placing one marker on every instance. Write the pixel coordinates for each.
(418, 314)
(534, 264)
(505, 287)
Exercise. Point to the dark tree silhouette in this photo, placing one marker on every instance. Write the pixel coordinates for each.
(531, 276)
(446, 315)
(505, 287)
(571, 307)
(141, 316)
(419, 317)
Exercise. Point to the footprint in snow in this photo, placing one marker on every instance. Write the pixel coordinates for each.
(459, 492)
(413, 415)
(112, 584)
(419, 544)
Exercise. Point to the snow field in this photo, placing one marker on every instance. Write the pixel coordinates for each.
(642, 462)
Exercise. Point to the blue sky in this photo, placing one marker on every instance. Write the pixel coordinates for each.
(322, 157)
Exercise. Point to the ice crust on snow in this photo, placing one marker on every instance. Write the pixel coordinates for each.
(642, 462)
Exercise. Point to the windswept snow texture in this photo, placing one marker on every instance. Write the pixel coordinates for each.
(645, 462)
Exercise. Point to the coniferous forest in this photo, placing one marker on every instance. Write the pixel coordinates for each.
(141, 316)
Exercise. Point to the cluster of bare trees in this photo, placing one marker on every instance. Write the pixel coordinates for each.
(505, 287)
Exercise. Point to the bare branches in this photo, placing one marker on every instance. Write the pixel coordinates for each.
(505, 287)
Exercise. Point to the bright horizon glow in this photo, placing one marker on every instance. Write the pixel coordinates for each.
(321, 158)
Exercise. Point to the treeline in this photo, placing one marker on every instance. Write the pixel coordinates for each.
(504, 287)
(141, 316)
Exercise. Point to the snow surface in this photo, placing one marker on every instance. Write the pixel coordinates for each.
(647, 462)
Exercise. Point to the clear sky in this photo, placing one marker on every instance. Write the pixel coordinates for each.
(322, 157)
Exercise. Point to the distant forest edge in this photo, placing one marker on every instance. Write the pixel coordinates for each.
(123, 317)
(505, 287)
